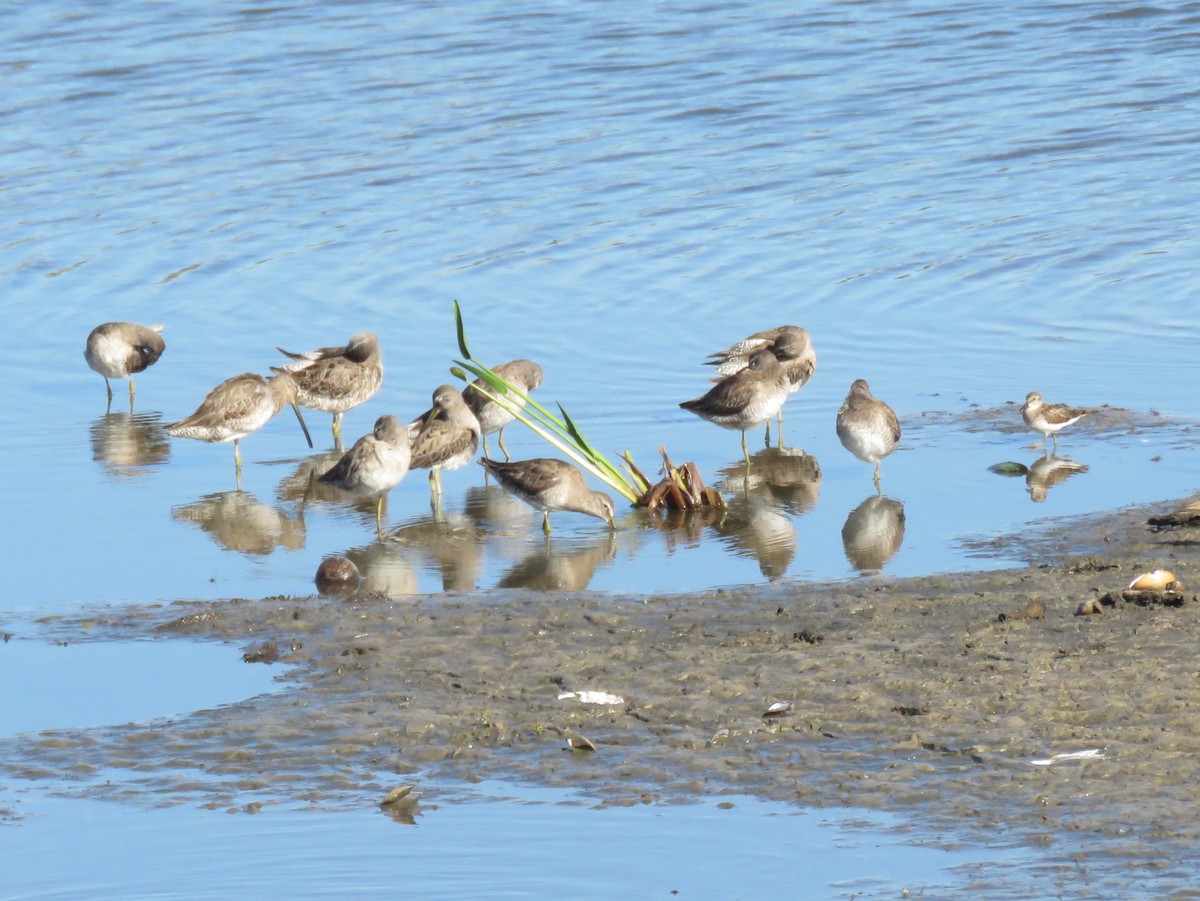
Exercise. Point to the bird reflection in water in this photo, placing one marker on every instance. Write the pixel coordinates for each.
(784, 474)
(384, 568)
(561, 566)
(304, 486)
(492, 508)
(754, 526)
(448, 543)
(238, 521)
(873, 532)
(1047, 472)
(129, 444)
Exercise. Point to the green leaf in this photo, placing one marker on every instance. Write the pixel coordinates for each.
(462, 333)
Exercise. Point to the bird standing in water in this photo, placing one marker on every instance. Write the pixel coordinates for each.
(336, 379)
(748, 398)
(551, 485)
(866, 426)
(791, 346)
(446, 439)
(376, 464)
(117, 350)
(1048, 419)
(238, 407)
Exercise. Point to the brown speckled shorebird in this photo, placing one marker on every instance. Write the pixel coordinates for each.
(866, 426)
(336, 379)
(525, 376)
(1049, 419)
(791, 346)
(748, 398)
(376, 464)
(117, 350)
(237, 407)
(448, 439)
(551, 485)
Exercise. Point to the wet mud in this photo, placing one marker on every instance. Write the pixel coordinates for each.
(947, 699)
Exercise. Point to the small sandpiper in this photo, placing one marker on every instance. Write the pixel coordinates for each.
(524, 375)
(447, 439)
(866, 426)
(748, 398)
(1049, 419)
(376, 464)
(117, 350)
(336, 379)
(791, 346)
(551, 485)
(238, 407)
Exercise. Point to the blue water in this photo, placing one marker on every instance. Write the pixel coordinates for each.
(455, 850)
(962, 202)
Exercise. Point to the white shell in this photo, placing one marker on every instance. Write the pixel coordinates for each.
(1155, 581)
(1090, 754)
(592, 697)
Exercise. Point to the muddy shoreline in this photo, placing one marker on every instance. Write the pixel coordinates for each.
(930, 697)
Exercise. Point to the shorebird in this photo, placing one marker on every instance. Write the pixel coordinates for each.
(117, 350)
(791, 346)
(1049, 419)
(376, 464)
(448, 438)
(748, 398)
(866, 426)
(237, 407)
(524, 375)
(336, 379)
(551, 485)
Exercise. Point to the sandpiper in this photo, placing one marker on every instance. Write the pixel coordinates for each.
(376, 464)
(336, 379)
(551, 485)
(524, 375)
(237, 407)
(748, 398)
(448, 439)
(117, 350)
(866, 426)
(791, 346)
(1049, 419)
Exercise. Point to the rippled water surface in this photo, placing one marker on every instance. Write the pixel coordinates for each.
(962, 202)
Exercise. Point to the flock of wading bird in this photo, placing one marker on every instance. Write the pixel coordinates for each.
(756, 376)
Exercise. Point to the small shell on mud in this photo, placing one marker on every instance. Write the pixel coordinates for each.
(577, 742)
(1158, 580)
(1088, 607)
(400, 796)
(591, 697)
(779, 708)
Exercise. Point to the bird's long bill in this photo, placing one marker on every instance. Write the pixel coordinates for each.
(307, 437)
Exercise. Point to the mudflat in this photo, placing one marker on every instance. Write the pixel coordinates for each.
(982, 707)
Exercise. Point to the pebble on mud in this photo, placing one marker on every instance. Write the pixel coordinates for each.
(337, 576)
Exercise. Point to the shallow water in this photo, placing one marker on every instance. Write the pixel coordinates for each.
(555, 846)
(961, 202)
(52, 685)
